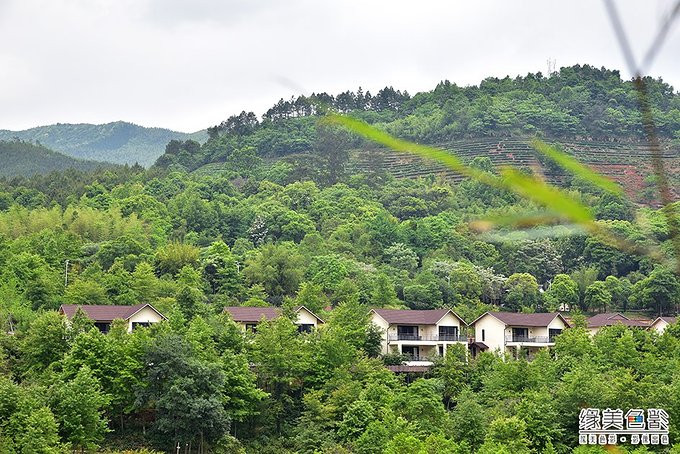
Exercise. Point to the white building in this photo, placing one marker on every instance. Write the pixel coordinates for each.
(420, 335)
(508, 332)
(103, 315)
(248, 317)
(661, 323)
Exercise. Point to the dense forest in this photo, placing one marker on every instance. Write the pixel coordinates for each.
(118, 142)
(26, 159)
(579, 102)
(311, 231)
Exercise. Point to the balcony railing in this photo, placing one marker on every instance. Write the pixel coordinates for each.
(416, 358)
(435, 338)
(530, 339)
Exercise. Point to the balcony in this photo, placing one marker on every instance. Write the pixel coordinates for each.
(435, 338)
(530, 339)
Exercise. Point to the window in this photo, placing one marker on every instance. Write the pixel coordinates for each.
(483, 336)
(520, 334)
(441, 350)
(252, 327)
(136, 325)
(305, 327)
(412, 352)
(448, 333)
(552, 333)
(407, 332)
(104, 327)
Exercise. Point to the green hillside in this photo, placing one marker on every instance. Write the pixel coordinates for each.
(591, 111)
(26, 159)
(118, 142)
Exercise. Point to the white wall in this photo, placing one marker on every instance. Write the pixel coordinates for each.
(306, 318)
(145, 315)
(660, 326)
(494, 332)
(383, 325)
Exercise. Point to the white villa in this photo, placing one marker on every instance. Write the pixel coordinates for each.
(508, 332)
(248, 317)
(419, 334)
(103, 315)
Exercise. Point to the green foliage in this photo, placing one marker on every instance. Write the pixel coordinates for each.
(78, 406)
(282, 212)
(25, 158)
(119, 142)
(522, 292)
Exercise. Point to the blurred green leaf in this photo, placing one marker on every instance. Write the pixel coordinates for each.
(547, 196)
(572, 165)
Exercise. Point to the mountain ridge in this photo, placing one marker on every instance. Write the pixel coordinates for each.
(20, 158)
(118, 142)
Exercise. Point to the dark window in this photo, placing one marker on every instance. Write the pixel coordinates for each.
(407, 332)
(520, 334)
(554, 333)
(448, 333)
(305, 327)
(136, 325)
(104, 327)
(411, 351)
(483, 336)
(441, 350)
(251, 327)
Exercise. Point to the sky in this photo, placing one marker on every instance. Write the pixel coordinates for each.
(189, 64)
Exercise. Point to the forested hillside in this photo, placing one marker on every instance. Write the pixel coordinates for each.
(118, 142)
(225, 224)
(27, 159)
(593, 112)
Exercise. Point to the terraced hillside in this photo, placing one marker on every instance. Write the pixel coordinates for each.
(625, 162)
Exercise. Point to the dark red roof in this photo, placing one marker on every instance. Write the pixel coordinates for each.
(103, 312)
(520, 319)
(614, 318)
(429, 317)
(252, 314)
(667, 319)
(408, 369)
(246, 314)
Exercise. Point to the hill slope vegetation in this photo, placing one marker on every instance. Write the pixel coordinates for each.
(24, 158)
(119, 142)
(591, 110)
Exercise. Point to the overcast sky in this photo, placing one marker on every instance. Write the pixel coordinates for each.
(188, 64)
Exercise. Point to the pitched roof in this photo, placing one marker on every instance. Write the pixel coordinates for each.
(252, 314)
(408, 369)
(416, 317)
(614, 318)
(104, 312)
(665, 319)
(247, 314)
(520, 319)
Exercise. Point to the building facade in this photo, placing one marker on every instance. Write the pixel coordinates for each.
(247, 318)
(510, 332)
(139, 315)
(596, 322)
(661, 323)
(420, 335)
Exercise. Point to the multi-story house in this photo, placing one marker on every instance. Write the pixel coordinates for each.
(596, 322)
(103, 315)
(510, 332)
(419, 334)
(248, 317)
